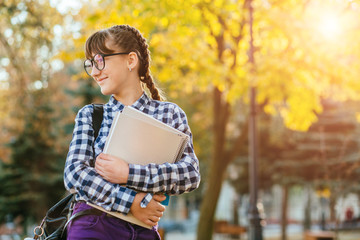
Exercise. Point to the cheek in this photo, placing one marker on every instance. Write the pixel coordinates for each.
(118, 64)
(115, 70)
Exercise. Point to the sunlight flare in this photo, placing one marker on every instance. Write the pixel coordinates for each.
(329, 25)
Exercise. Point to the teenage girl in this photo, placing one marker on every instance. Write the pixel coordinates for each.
(118, 60)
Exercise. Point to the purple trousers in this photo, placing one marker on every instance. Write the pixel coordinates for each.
(105, 227)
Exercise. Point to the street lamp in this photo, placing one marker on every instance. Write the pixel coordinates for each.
(255, 230)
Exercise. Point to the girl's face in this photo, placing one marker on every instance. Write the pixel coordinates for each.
(114, 78)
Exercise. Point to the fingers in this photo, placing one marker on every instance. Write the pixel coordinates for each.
(155, 209)
(156, 205)
(103, 158)
(102, 173)
(99, 162)
(154, 219)
(153, 212)
(159, 214)
(159, 197)
(150, 220)
(107, 157)
(150, 223)
(103, 163)
(162, 208)
(101, 167)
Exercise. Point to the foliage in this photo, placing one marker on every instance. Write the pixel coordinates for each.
(302, 57)
(26, 48)
(32, 114)
(33, 176)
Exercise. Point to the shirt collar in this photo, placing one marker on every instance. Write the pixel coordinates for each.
(138, 104)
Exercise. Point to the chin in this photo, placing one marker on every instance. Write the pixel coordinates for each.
(105, 92)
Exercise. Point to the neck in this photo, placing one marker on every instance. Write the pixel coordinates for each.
(129, 96)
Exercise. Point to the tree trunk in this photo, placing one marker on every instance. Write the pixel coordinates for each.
(216, 172)
(208, 205)
(220, 160)
(284, 208)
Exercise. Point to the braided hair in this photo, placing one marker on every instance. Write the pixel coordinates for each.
(129, 39)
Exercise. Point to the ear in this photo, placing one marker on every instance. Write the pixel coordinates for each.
(133, 60)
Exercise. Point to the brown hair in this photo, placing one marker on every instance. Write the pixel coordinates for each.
(129, 39)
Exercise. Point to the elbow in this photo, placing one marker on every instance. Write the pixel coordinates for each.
(194, 178)
(195, 182)
(67, 180)
(190, 182)
(67, 184)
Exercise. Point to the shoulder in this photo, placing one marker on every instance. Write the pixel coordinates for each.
(168, 110)
(167, 107)
(85, 113)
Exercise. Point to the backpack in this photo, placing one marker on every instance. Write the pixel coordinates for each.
(54, 224)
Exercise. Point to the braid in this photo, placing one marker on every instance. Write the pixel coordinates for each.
(144, 56)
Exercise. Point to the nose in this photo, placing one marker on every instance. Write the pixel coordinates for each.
(94, 71)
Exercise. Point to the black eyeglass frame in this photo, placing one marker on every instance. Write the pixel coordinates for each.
(103, 57)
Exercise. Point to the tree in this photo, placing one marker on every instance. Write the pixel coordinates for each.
(32, 143)
(26, 48)
(33, 177)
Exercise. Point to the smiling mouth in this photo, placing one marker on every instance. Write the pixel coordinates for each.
(101, 80)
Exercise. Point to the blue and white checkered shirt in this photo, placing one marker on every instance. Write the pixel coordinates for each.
(182, 176)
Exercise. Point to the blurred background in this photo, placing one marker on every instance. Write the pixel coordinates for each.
(301, 58)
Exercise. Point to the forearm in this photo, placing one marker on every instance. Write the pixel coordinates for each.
(91, 187)
(176, 178)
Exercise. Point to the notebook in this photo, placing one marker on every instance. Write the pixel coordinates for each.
(139, 138)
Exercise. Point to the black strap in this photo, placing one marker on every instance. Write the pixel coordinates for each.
(97, 118)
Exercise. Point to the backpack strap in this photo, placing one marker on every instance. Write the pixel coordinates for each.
(97, 118)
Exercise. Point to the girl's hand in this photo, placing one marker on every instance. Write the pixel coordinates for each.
(153, 211)
(112, 169)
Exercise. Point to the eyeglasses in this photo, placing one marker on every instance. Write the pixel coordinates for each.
(99, 61)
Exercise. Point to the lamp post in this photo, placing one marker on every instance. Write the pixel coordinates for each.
(255, 230)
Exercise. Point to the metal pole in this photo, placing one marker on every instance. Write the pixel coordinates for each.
(255, 230)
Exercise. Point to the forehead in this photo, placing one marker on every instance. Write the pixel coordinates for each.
(108, 47)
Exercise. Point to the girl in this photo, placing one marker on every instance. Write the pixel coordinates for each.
(118, 60)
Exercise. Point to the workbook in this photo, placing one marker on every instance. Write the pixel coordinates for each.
(139, 138)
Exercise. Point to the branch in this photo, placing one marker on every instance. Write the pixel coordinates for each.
(242, 25)
(13, 59)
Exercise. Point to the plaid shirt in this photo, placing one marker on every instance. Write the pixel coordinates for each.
(182, 176)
